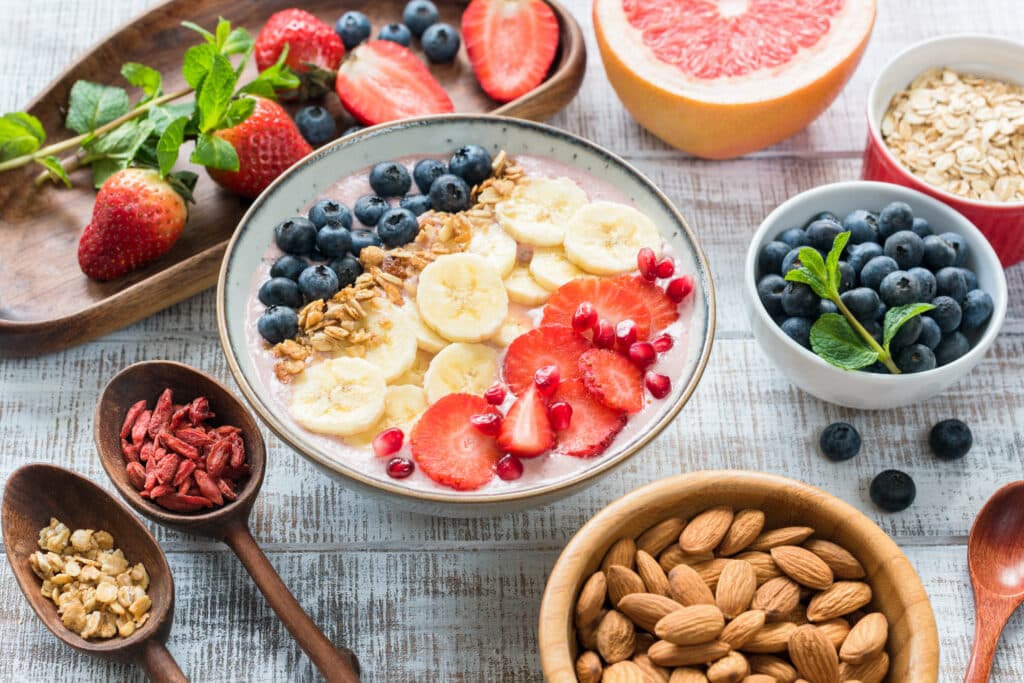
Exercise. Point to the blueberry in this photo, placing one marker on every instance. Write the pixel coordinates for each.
(390, 179)
(938, 253)
(925, 282)
(824, 216)
(318, 255)
(333, 240)
(876, 270)
(397, 227)
(449, 193)
(799, 300)
(859, 254)
(970, 278)
(288, 266)
(353, 28)
(827, 307)
(369, 208)
(905, 248)
(799, 330)
(296, 236)
(839, 441)
(977, 310)
(899, 288)
(862, 302)
(951, 282)
(880, 313)
(316, 125)
(278, 323)
(921, 227)
(908, 333)
(794, 237)
(769, 291)
(441, 43)
(318, 282)
(952, 347)
(822, 233)
(877, 369)
(362, 239)
(791, 260)
(959, 246)
(847, 277)
(893, 218)
(352, 129)
(915, 358)
(947, 313)
(893, 490)
(280, 291)
(396, 33)
(950, 439)
(347, 268)
(417, 203)
(420, 15)
(472, 163)
(863, 226)
(426, 171)
(769, 259)
(330, 211)
(930, 335)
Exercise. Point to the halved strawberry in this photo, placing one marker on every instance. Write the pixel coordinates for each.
(526, 430)
(612, 301)
(613, 380)
(449, 449)
(663, 310)
(593, 425)
(546, 345)
(383, 81)
(510, 43)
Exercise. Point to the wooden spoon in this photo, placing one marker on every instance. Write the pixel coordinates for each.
(229, 523)
(34, 494)
(995, 555)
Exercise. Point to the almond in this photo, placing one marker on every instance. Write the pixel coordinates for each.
(736, 587)
(660, 536)
(731, 668)
(624, 672)
(865, 639)
(871, 670)
(651, 572)
(687, 587)
(787, 535)
(654, 673)
(746, 526)
(646, 609)
(616, 638)
(622, 552)
(842, 597)
(763, 563)
(591, 599)
(686, 674)
(588, 667)
(770, 638)
(706, 530)
(691, 625)
(777, 597)
(770, 665)
(710, 571)
(802, 566)
(760, 678)
(674, 555)
(621, 582)
(742, 628)
(813, 655)
(664, 653)
(836, 630)
(797, 616)
(840, 560)
(587, 634)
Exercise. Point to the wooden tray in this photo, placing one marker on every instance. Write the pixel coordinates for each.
(47, 304)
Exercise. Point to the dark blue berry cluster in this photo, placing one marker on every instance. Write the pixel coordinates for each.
(420, 19)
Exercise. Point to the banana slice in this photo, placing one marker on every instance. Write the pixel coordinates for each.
(403, 405)
(496, 246)
(514, 326)
(603, 238)
(461, 368)
(414, 375)
(462, 298)
(551, 269)
(523, 289)
(394, 348)
(426, 338)
(539, 209)
(339, 396)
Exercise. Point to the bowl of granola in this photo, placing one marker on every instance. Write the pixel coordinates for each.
(470, 313)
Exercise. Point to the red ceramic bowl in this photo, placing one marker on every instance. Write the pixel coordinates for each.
(1002, 223)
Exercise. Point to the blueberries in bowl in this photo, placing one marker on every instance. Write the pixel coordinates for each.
(449, 193)
(426, 171)
(278, 323)
(472, 163)
(318, 282)
(397, 227)
(390, 179)
(369, 208)
(296, 236)
(330, 211)
(288, 266)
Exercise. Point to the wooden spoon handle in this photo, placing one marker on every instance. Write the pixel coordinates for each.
(335, 664)
(991, 613)
(160, 665)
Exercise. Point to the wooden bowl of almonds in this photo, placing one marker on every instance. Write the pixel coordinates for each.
(735, 576)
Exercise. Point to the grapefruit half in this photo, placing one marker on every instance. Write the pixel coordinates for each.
(721, 78)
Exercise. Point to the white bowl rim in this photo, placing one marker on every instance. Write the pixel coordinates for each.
(876, 133)
(965, 362)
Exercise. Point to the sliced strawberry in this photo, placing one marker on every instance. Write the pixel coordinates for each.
(510, 43)
(612, 302)
(593, 425)
(383, 81)
(449, 449)
(526, 430)
(613, 380)
(663, 310)
(556, 345)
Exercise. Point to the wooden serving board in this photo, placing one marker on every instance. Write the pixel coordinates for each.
(47, 304)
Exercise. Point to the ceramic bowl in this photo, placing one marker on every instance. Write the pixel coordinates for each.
(1001, 222)
(859, 389)
(439, 135)
(913, 645)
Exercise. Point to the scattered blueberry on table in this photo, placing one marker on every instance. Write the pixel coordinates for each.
(893, 490)
(316, 125)
(441, 43)
(840, 441)
(950, 439)
(353, 28)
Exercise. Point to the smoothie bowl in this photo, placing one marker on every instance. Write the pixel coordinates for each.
(477, 314)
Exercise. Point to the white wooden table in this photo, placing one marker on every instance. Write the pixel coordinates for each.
(423, 599)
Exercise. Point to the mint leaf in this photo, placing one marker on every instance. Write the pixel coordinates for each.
(210, 38)
(838, 344)
(214, 95)
(55, 169)
(895, 318)
(167, 114)
(92, 104)
(832, 261)
(123, 141)
(142, 76)
(238, 111)
(812, 273)
(198, 62)
(20, 134)
(213, 152)
(238, 42)
(811, 260)
(169, 144)
(223, 30)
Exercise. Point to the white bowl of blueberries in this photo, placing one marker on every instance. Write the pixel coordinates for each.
(911, 299)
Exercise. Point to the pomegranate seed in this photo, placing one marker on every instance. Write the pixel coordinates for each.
(646, 261)
(625, 334)
(560, 414)
(642, 354)
(658, 385)
(388, 442)
(400, 468)
(496, 394)
(604, 335)
(546, 379)
(509, 467)
(662, 343)
(665, 269)
(487, 423)
(680, 288)
(585, 317)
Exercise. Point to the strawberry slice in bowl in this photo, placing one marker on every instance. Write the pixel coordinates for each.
(612, 302)
(556, 345)
(449, 449)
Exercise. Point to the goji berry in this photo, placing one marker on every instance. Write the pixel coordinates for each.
(217, 458)
(185, 468)
(130, 451)
(161, 413)
(208, 488)
(237, 450)
(180, 503)
(167, 468)
(179, 446)
(140, 426)
(136, 475)
(130, 417)
(199, 411)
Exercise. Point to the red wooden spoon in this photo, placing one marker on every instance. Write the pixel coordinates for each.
(995, 556)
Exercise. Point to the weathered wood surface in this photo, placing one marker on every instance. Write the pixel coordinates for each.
(429, 599)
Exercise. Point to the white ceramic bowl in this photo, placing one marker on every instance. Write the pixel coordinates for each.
(860, 389)
(439, 135)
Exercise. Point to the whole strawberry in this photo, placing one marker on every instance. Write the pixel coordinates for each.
(314, 50)
(137, 218)
(267, 143)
